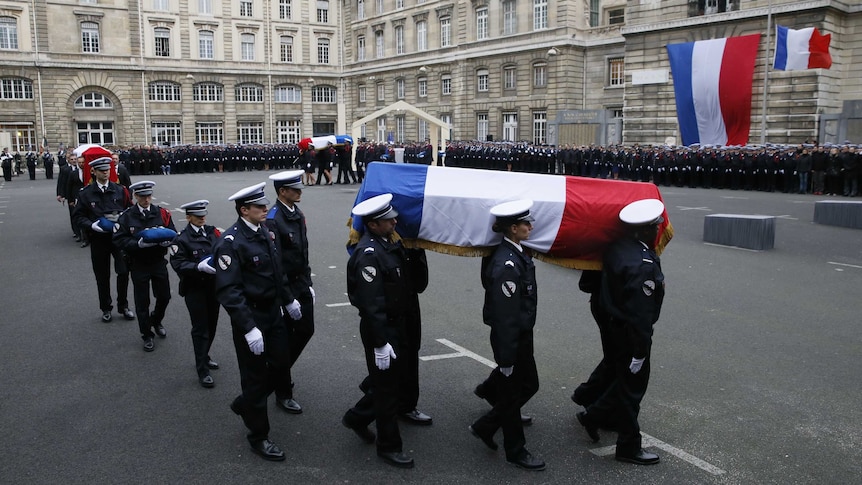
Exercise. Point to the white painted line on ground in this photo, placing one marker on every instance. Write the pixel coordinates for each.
(733, 197)
(460, 352)
(684, 208)
(442, 356)
(732, 247)
(332, 267)
(845, 264)
(330, 305)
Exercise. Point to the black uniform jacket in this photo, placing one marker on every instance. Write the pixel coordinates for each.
(292, 242)
(509, 279)
(190, 248)
(92, 203)
(633, 290)
(131, 223)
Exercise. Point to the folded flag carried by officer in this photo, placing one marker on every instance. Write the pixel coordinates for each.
(447, 210)
(106, 224)
(157, 234)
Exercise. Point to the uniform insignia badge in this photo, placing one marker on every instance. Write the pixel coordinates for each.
(224, 261)
(510, 263)
(509, 288)
(369, 250)
(229, 237)
(368, 273)
(649, 287)
(173, 249)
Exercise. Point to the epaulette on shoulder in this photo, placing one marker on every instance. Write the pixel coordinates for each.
(272, 211)
(509, 262)
(369, 249)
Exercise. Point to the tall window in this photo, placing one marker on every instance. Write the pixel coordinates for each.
(8, 33)
(162, 47)
(482, 23)
(482, 126)
(362, 93)
(594, 13)
(246, 46)
(540, 14)
(248, 93)
(616, 72)
(209, 133)
(379, 48)
(399, 88)
(323, 51)
(510, 21)
(360, 9)
(540, 127)
(249, 132)
(381, 129)
(400, 123)
(206, 43)
(205, 7)
(245, 8)
(208, 93)
(164, 91)
(381, 92)
(161, 5)
(93, 101)
(285, 48)
(16, 88)
(708, 7)
(445, 32)
(540, 74)
(323, 95)
(399, 40)
(446, 84)
(323, 11)
(510, 80)
(166, 133)
(90, 37)
(285, 9)
(422, 87)
(422, 129)
(510, 126)
(482, 80)
(421, 36)
(399, 4)
(360, 48)
(287, 131)
(616, 16)
(379, 7)
(288, 94)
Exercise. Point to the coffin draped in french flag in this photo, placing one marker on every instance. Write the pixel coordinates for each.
(446, 210)
(321, 142)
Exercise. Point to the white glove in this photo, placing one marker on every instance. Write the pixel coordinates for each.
(293, 309)
(382, 355)
(143, 244)
(255, 341)
(313, 295)
(636, 364)
(95, 226)
(204, 266)
(507, 371)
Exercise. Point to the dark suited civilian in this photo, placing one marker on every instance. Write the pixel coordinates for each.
(287, 221)
(632, 294)
(146, 255)
(122, 172)
(191, 258)
(509, 280)
(70, 189)
(248, 286)
(377, 286)
(97, 210)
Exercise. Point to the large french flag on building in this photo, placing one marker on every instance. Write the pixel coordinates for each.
(712, 85)
(801, 49)
(447, 210)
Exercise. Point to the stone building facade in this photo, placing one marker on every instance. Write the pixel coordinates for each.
(125, 72)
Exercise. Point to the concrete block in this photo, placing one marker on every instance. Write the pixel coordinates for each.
(844, 213)
(740, 230)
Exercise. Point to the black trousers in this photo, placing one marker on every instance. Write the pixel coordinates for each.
(345, 172)
(203, 312)
(75, 229)
(621, 402)
(299, 333)
(101, 252)
(509, 395)
(603, 375)
(260, 374)
(409, 357)
(380, 401)
(143, 277)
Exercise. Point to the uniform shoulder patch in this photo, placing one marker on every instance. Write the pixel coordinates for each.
(368, 250)
(649, 287)
(228, 237)
(509, 263)
(509, 288)
(369, 273)
(224, 262)
(173, 249)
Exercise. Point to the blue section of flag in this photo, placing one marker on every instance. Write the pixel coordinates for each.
(780, 48)
(407, 184)
(681, 56)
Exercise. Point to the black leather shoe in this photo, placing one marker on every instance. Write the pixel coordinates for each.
(127, 313)
(592, 429)
(160, 330)
(207, 381)
(148, 345)
(417, 417)
(363, 432)
(77, 238)
(211, 364)
(107, 317)
(526, 420)
(396, 458)
(267, 450)
(85, 244)
(289, 405)
(528, 462)
(488, 440)
(640, 457)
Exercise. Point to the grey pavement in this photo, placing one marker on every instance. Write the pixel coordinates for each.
(755, 361)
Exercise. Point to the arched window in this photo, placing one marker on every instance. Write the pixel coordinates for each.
(249, 93)
(94, 101)
(208, 93)
(164, 91)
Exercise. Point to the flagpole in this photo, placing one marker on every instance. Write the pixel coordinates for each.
(766, 73)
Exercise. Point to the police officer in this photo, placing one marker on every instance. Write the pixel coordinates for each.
(145, 232)
(377, 286)
(191, 258)
(632, 294)
(248, 286)
(287, 221)
(97, 209)
(509, 279)
(603, 375)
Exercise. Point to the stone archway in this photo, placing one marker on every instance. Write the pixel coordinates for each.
(439, 135)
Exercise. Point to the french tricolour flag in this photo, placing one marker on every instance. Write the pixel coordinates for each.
(801, 49)
(712, 85)
(448, 209)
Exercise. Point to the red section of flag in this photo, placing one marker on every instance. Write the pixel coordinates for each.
(734, 86)
(818, 48)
